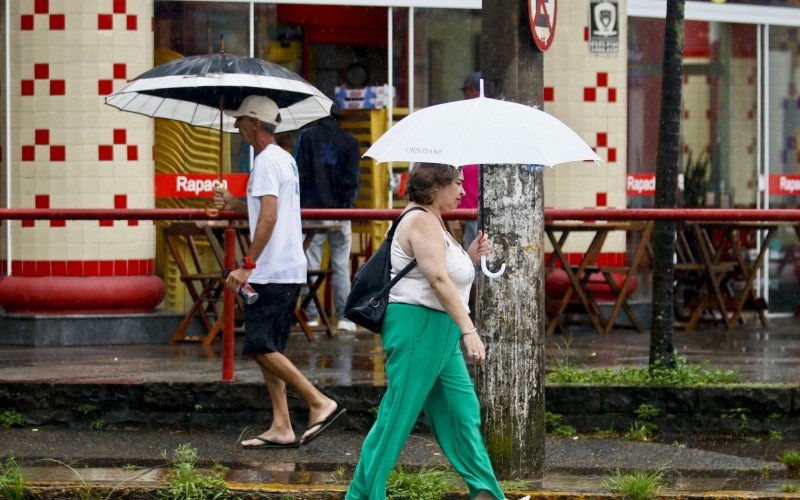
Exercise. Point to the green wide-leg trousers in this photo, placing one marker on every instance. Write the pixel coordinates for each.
(426, 372)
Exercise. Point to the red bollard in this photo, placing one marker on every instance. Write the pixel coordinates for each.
(227, 307)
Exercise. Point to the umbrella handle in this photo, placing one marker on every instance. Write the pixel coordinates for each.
(491, 274)
(212, 212)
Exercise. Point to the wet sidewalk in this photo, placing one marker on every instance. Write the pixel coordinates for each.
(356, 359)
(575, 467)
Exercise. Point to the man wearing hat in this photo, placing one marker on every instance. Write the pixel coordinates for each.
(472, 85)
(275, 266)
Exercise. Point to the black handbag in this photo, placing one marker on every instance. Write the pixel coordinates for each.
(369, 291)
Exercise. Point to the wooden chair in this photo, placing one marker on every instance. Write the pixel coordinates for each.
(203, 283)
(698, 264)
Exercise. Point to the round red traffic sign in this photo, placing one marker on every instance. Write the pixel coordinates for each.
(542, 15)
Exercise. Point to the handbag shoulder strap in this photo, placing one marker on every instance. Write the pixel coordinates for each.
(396, 222)
(409, 266)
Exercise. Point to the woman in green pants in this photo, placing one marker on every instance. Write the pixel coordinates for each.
(426, 326)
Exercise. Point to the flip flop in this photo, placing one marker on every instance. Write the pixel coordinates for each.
(323, 425)
(269, 444)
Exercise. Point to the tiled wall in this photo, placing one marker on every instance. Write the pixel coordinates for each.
(742, 156)
(70, 150)
(696, 113)
(587, 91)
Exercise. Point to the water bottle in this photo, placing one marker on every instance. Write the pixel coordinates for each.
(246, 291)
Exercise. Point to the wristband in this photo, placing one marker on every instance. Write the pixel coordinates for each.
(247, 263)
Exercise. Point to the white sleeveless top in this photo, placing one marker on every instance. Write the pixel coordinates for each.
(414, 289)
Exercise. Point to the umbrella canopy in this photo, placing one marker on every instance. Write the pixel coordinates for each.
(195, 89)
(481, 130)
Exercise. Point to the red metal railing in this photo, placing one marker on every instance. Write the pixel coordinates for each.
(581, 214)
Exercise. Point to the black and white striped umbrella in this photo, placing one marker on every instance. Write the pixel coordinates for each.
(195, 89)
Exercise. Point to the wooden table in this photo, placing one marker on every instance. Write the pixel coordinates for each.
(213, 234)
(714, 253)
(579, 274)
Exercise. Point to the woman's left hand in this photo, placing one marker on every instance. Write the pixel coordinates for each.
(481, 245)
(474, 349)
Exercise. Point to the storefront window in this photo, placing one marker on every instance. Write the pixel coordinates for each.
(719, 112)
(783, 132)
(446, 50)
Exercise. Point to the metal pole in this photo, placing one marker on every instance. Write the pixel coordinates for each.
(410, 60)
(8, 130)
(227, 308)
(390, 102)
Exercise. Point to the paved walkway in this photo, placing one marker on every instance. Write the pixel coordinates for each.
(574, 467)
(758, 355)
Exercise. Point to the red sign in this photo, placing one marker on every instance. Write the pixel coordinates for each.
(640, 184)
(784, 184)
(542, 17)
(198, 185)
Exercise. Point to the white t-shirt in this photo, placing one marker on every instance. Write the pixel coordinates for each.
(282, 260)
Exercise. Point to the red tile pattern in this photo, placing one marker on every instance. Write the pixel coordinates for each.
(600, 91)
(41, 71)
(604, 259)
(602, 146)
(119, 10)
(57, 152)
(105, 152)
(41, 12)
(119, 72)
(80, 268)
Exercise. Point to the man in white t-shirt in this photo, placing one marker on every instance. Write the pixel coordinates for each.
(275, 267)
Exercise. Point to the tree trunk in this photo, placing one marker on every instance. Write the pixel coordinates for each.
(661, 338)
(510, 312)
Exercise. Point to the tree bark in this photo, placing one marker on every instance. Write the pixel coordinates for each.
(510, 309)
(661, 337)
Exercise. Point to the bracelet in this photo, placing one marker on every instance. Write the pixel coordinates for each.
(247, 263)
(469, 332)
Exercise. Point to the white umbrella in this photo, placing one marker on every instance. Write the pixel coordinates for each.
(483, 131)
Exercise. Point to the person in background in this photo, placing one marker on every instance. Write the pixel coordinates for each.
(328, 161)
(275, 267)
(425, 329)
(469, 229)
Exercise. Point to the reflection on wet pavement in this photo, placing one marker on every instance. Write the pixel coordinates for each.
(353, 359)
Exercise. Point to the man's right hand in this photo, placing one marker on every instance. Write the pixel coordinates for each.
(222, 198)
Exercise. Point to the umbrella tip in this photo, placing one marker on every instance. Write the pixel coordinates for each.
(481, 87)
(221, 43)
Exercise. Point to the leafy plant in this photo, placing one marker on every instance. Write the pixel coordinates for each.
(789, 488)
(775, 435)
(186, 482)
(131, 467)
(514, 484)
(87, 408)
(647, 413)
(554, 425)
(791, 459)
(98, 424)
(695, 181)
(641, 431)
(742, 429)
(11, 418)
(639, 485)
(12, 486)
(338, 476)
(426, 484)
(658, 375)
